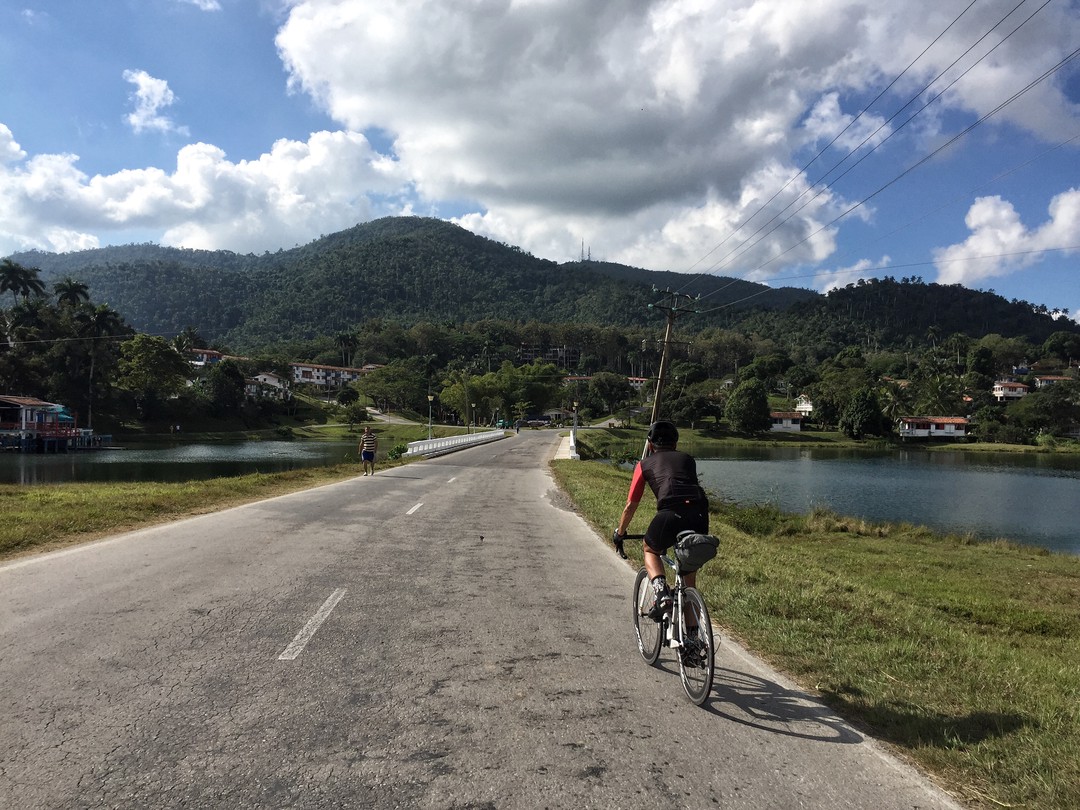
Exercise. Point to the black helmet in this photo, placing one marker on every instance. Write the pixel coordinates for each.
(663, 434)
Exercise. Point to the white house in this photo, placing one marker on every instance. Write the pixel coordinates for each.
(933, 427)
(1048, 380)
(787, 422)
(804, 406)
(267, 385)
(1007, 390)
(329, 376)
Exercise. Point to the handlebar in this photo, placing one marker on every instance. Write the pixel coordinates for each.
(617, 539)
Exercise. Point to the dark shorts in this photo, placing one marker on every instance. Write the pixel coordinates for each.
(367, 455)
(665, 527)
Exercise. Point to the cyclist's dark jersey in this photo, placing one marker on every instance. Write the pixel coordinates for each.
(672, 477)
(680, 501)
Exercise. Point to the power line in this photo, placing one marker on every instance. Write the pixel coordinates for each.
(746, 245)
(837, 137)
(904, 266)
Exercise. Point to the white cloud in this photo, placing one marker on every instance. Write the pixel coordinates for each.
(650, 130)
(1000, 244)
(150, 97)
(204, 5)
(287, 196)
(636, 125)
(827, 121)
(843, 276)
(10, 151)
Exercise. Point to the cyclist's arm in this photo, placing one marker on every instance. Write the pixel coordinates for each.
(633, 498)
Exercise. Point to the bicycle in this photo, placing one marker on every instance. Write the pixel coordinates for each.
(696, 664)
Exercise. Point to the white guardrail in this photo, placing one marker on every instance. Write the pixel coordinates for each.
(434, 447)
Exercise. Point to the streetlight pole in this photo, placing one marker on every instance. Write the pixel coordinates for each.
(472, 422)
(430, 397)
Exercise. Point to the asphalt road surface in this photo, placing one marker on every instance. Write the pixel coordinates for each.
(448, 634)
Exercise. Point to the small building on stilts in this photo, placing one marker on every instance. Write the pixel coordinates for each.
(31, 425)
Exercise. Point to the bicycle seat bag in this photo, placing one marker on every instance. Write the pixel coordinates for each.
(693, 550)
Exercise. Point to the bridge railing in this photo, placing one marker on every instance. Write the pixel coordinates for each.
(434, 447)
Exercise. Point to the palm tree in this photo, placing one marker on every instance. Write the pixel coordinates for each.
(896, 401)
(19, 280)
(940, 395)
(71, 292)
(188, 340)
(10, 276)
(96, 324)
(348, 343)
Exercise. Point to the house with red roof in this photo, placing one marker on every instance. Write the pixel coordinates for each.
(933, 427)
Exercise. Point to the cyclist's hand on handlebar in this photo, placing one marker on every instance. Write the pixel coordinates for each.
(618, 539)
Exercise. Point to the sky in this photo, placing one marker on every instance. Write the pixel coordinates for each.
(790, 143)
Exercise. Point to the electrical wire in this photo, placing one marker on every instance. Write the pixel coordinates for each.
(744, 246)
(824, 187)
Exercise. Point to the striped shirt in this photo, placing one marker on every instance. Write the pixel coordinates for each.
(368, 442)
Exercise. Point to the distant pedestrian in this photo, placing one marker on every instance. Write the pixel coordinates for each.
(369, 443)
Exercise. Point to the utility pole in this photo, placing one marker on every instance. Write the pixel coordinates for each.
(672, 310)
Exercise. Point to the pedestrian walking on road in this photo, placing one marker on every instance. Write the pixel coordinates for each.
(369, 443)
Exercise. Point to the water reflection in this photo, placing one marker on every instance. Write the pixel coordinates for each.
(1028, 498)
(170, 463)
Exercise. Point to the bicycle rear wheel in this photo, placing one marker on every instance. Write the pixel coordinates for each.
(649, 632)
(696, 665)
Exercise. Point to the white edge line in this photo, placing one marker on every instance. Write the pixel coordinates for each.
(414, 508)
(296, 646)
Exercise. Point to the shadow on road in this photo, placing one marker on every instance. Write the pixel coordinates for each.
(760, 703)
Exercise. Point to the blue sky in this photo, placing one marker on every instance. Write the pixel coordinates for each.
(667, 134)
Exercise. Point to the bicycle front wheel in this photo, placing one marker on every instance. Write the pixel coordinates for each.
(696, 664)
(649, 632)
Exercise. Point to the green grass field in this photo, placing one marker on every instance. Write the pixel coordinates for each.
(962, 656)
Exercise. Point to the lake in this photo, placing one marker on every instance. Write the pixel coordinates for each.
(1031, 498)
(173, 462)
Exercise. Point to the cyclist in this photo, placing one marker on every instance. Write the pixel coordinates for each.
(681, 504)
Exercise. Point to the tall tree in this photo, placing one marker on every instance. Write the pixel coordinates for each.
(747, 409)
(21, 282)
(151, 370)
(101, 327)
(70, 292)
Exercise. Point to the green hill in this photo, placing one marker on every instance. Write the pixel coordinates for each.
(410, 269)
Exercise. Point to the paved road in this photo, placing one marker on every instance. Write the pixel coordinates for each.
(474, 651)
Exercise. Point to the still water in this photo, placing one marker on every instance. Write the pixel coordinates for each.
(177, 462)
(1027, 498)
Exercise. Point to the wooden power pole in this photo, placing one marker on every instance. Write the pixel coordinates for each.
(672, 310)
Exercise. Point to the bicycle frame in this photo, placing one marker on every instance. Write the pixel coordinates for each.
(696, 663)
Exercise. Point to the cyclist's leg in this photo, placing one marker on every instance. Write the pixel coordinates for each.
(653, 564)
(656, 542)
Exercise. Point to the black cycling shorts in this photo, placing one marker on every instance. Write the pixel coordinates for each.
(665, 527)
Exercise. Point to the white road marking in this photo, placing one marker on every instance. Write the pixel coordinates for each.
(314, 623)
(414, 508)
(452, 480)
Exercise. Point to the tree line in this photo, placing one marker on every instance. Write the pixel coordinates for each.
(861, 375)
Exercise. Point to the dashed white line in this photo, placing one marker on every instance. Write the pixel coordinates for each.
(314, 623)
(414, 508)
(452, 480)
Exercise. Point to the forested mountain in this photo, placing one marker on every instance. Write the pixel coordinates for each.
(404, 269)
(411, 269)
(890, 314)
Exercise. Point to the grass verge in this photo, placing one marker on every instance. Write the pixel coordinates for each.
(963, 656)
